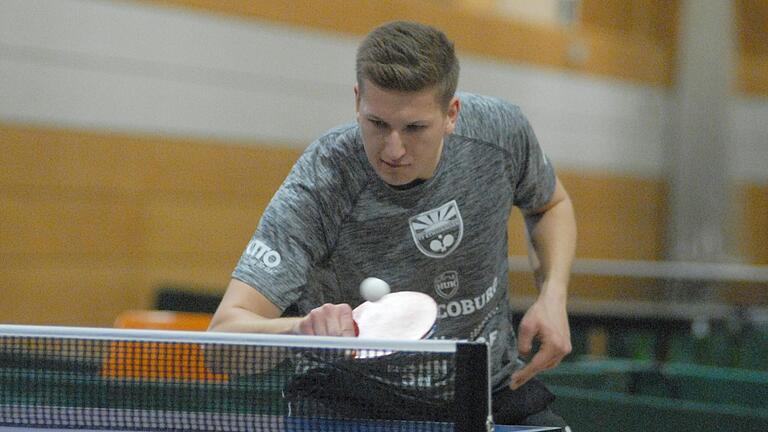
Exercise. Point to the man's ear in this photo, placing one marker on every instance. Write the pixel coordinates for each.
(452, 115)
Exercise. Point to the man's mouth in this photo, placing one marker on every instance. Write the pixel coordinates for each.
(393, 164)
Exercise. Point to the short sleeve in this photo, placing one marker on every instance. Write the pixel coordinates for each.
(532, 176)
(287, 241)
(298, 228)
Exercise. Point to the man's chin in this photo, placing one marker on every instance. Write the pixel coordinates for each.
(394, 180)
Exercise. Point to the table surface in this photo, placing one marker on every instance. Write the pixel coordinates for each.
(89, 419)
(497, 428)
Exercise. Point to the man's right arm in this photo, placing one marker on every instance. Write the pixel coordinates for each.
(245, 310)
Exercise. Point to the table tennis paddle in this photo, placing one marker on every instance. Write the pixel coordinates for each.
(406, 315)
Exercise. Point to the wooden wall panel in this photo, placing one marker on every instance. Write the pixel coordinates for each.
(86, 161)
(236, 170)
(614, 15)
(43, 224)
(752, 242)
(61, 160)
(68, 292)
(619, 217)
(656, 19)
(752, 16)
(754, 229)
(627, 57)
(753, 74)
(752, 40)
(195, 272)
(93, 223)
(205, 225)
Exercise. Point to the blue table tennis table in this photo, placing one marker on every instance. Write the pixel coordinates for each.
(102, 420)
(42, 418)
(497, 428)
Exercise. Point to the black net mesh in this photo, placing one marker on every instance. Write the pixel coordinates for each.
(140, 384)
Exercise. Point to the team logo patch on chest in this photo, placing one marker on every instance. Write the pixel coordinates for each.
(438, 232)
(447, 284)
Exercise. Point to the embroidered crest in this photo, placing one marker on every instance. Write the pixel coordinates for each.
(438, 232)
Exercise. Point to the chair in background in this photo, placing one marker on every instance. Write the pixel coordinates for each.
(168, 361)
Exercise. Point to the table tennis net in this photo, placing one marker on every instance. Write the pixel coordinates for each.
(187, 381)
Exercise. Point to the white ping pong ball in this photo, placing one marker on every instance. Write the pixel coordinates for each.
(372, 289)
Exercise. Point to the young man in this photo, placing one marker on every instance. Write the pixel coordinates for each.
(417, 192)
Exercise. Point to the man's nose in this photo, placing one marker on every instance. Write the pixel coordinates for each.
(394, 149)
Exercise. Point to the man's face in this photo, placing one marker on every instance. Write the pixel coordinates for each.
(403, 131)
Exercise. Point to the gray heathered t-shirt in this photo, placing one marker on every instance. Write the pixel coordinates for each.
(334, 222)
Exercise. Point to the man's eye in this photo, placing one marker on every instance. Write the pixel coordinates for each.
(379, 124)
(415, 128)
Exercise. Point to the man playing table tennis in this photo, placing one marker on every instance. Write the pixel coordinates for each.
(417, 192)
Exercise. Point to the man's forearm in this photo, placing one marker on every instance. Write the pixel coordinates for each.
(552, 234)
(238, 320)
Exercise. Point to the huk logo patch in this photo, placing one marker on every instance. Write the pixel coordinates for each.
(447, 284)
(438, 232)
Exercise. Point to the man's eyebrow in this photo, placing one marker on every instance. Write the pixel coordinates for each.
(420, 122)
(374, 117)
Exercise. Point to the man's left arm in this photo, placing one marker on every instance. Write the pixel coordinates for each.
(552, 234)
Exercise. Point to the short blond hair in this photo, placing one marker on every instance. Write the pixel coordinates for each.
(408, 56)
